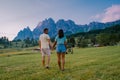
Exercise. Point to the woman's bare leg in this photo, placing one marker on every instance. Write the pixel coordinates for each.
(59, 60)
(63, 60)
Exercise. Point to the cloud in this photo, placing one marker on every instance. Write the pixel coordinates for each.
(110, 14)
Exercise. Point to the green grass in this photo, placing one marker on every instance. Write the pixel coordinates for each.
(102, 63)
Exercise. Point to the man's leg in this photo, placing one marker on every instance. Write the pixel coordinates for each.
(48, 61)
(43, 61)
(48, 57)
(43, 57)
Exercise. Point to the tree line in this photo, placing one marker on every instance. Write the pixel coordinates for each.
(103, 37)
(5, 43)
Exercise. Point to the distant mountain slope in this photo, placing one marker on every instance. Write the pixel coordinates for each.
(23, 34)
(115, 29)
(68, 26)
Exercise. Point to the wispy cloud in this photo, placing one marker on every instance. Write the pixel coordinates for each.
(110, 14)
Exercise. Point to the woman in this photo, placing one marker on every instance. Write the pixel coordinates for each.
(60, 41)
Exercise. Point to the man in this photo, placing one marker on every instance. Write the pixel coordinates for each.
(44, 44)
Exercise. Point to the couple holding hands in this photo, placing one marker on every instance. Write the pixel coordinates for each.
(60, 43)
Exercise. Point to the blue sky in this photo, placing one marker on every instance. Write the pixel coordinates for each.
(17, 14)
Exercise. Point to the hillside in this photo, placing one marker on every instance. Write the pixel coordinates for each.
(101, 63)
(102, 37)
(109, 30)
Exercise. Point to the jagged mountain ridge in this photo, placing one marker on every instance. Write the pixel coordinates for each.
(23, 34)
(68, 26)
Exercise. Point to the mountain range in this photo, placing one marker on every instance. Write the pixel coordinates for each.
(68, 26)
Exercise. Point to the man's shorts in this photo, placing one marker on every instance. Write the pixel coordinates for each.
(60, 48)
(45, 51)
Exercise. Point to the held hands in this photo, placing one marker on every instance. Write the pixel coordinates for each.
(51, 47)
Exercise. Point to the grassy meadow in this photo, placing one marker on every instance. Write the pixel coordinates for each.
(97, 63)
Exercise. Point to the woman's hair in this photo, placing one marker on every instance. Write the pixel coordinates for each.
(60, 33)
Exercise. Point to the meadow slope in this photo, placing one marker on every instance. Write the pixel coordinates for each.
(100, 63)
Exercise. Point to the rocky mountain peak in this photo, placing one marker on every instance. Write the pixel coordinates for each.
(68, 26)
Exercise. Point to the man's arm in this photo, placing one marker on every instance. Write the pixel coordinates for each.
(54, 44)
(39, 44)
(49, 42)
